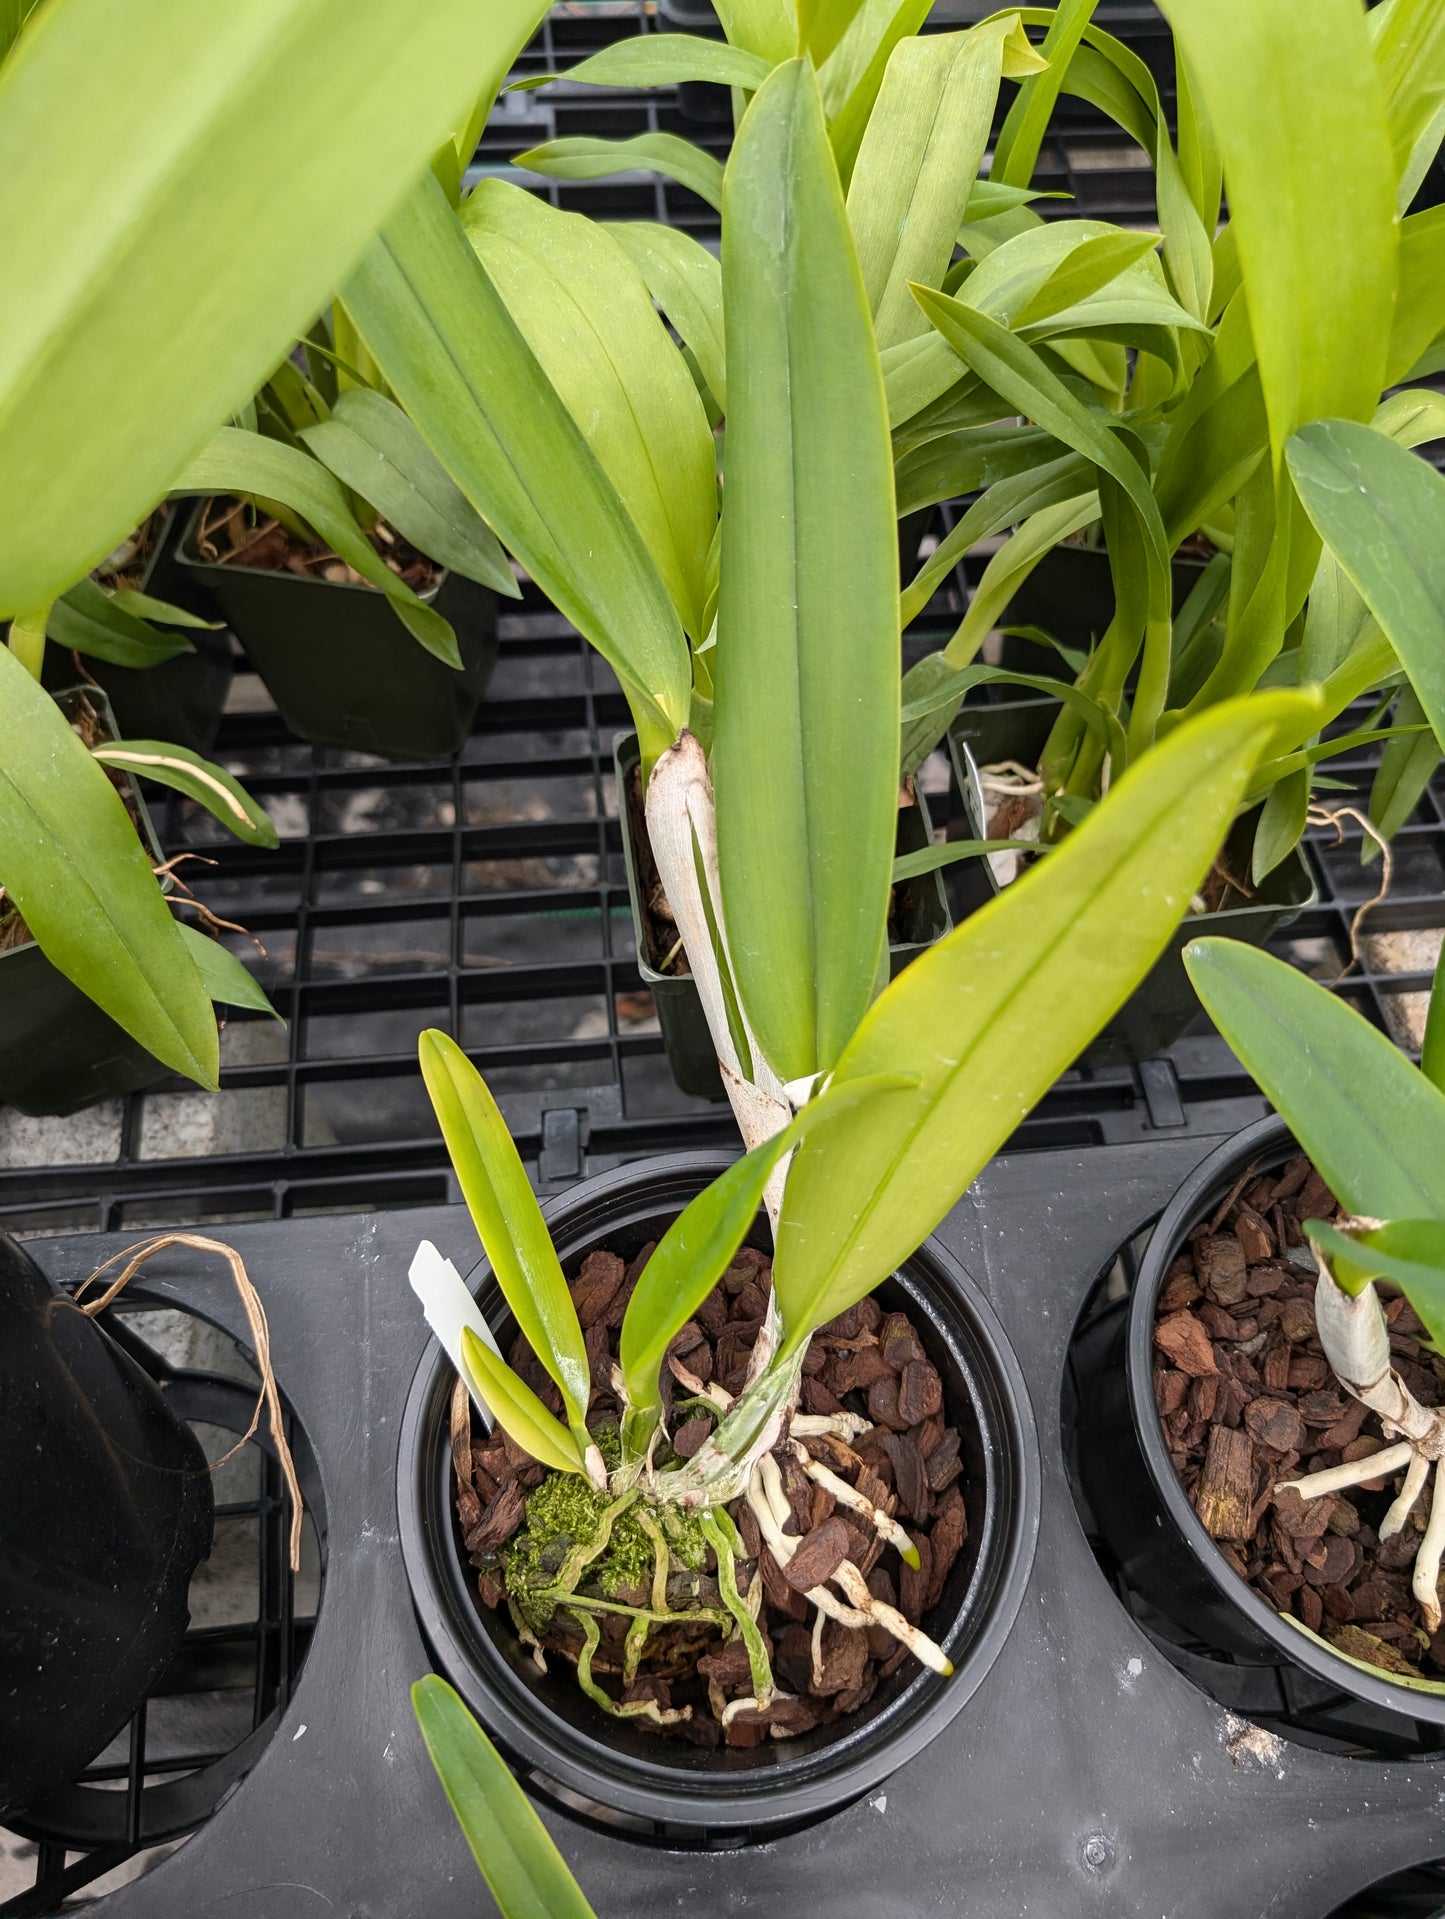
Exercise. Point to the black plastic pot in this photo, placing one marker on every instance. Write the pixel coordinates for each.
(1070, 594)
(340, 665)
(1165, 1005)
(920, 914)
(106, 1513)
(1163, 1552)
(180, 700)
(684, 1792)
(58, 1050)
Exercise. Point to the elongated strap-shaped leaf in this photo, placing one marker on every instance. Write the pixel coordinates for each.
(1015, 370)
(1311, 182)
(1406, 768)
(1016, 151)
(1372, 1124)
(580, 157)
(528, 1877)
(1420, 312)
(145, 606)
(223, 975)
(806, 727)
(1381, 511)
(1006, 571)
(993, 1014)
(508, 1220)
(199, 779)
(1408, 37)
(372, 447)
(71, 860)
(1432, 1052)
(585, 311)
(660, 60)
(87, 618)
(144, 324)
(852, 75)
(822, 24)
(518, 1410)
(698, 1247)
(686, 282)
(1006, 503)
(918, 161)
(454, 357)
(239, 462)
(765, 27)
(969, 461)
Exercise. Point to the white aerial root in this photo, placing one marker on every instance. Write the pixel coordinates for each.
(765, 1491)
(1356, 1339)
(850, 1497)
(844, 1426)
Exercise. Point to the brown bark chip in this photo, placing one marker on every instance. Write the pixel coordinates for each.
(1225, 1491)
(1219, 1262)
(498, 1523)
(1276, 1423)
(1186, 1342)
(920, 1392)
(820, 1554)
(596, 1286)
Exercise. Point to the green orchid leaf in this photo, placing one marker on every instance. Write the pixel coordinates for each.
(804, 755)
(136, 146)
(1381, 511)
(199, 779)
(72, 862)
(1016, 151)
(580, 157)
(458, 364)
(518, 1410)
(1281, 823)
(1410, 1253)
(928, 859)
(145, 607)
(765, 28)
(686, 282)
(508, 1221)
(989, 198)
(249, 463)
(659, 60)
(1432, 1052)
(1374, 1127)
(223, 975)
(1075, 934)
(1406, 768)
(586, 313)
(852, 76)
(1311, 182)
(919, 159)
(1419, 317)
(89, 619)
(527, 1875)
(698, 1247)
(372, 447)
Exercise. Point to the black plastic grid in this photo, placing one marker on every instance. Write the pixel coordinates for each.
(207, 1719)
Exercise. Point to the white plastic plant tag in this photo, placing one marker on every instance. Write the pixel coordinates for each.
(449, 1307)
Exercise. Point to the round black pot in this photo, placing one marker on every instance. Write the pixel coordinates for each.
(684, 1793)
(1162, 1551)
(106, 1513)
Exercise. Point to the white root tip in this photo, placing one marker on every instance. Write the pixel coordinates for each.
(1416, 1474)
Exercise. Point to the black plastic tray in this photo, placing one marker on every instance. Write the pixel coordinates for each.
(1086, 1777)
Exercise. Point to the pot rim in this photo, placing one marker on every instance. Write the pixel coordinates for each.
(1193, 1199)
(832, 1775)
(186, 557)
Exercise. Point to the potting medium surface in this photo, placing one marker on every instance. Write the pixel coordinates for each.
(1086, 1776)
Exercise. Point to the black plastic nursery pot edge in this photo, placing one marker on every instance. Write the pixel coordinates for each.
(1162, 1546)
(684, 1793)
(1164, 1004)
(921, 915)
(59, 1052)
(340, 665)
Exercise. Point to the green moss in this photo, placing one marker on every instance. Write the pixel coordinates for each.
(627, 1563)
(684, 1534)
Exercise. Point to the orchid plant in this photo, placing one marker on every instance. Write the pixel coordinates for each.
(1374, 1127)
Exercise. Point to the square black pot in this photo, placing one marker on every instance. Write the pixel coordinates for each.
(920, 914)
(1162, 1008)
(340, 665)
